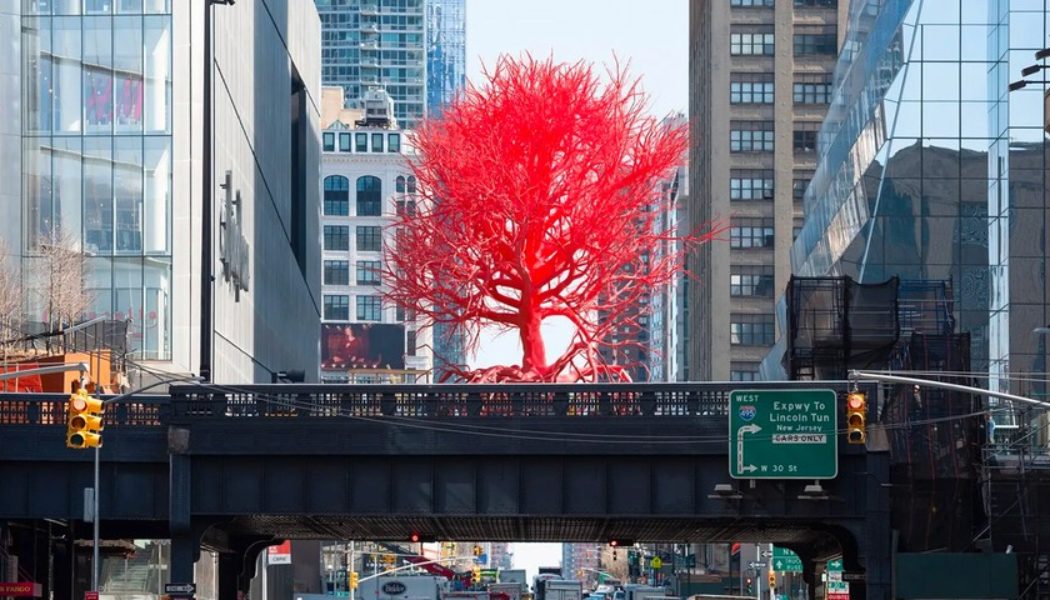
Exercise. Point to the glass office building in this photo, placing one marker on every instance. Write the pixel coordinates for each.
(96, 153)
(931, 169)
(446, 52)
(368, 43)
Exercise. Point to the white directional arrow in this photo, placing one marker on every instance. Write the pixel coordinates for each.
(751, 428)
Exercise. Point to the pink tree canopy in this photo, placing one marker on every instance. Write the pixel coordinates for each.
(538, 199)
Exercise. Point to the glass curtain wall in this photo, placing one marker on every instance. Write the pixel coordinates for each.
(97, 152)
(931, 169)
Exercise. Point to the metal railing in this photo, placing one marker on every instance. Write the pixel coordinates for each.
(203, 401)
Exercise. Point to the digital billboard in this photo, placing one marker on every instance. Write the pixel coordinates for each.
(347, 346)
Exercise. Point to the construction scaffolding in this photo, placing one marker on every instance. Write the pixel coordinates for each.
(959, 483)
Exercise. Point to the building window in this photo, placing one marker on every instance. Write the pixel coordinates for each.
(369, 308)
(751, 3)
(743, 371)
(796, 228)
(755, 42)
(336, 237)
(410, 343)
(337, 308)
(816, 40)
(751, 280)
(336, 196)
(394, 142)
(368, 272)
(344, 142)
(403, 315)
(816, 3)
(406, 208)
(329, 141)
(751, 330)
(369, 196)
(812, 89)
(399, 184)
(751, 184)
(336, 272)
(805, 137)
(360, 142)
(751, 233)
(369, 238)
(751, 88)
(377, 142)
(751, 136)
(411, 184)
(799, 185)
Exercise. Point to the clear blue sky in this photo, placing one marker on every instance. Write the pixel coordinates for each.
(652, 35)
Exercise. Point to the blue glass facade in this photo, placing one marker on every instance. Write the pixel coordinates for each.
(97, 155)
(931, 169)
(446, 52)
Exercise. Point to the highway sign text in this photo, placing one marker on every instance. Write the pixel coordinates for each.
(783, 434)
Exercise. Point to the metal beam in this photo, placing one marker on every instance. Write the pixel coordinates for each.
(967, 389)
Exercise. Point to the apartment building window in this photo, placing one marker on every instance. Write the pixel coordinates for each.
(394, 142)
(816, 40)
(369, 308)
(336, 196)
(751, 88)
(805, 137)
(796, 228)
(751, 3)
(336, 272)
(751, 184)
(329, 141)
(816, 3)
(336, 237)
(751, 41)
(799, 184)
(751, 233)
(344, 142)
(377, 142)
(403, 315)
(410, 343)
(812, 89)
(751, 136)
(337, 308)
(368, 272)
(751, 330)
(743, 371)
(369, 238)
(751, 280)
(360, 142)
(369, 194)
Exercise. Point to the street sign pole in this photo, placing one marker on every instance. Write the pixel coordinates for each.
(758, 575)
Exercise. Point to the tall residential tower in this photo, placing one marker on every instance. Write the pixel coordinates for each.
(760, 84)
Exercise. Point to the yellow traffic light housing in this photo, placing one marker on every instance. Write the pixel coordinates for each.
(772, 579)
(856, 418)
(353, 580)
(84, 424)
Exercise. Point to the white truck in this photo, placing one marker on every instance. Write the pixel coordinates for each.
(637, 591)
(513, 576)
(562, 589)
(408, 587)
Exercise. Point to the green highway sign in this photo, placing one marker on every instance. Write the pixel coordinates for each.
(835, 565)
(783, 434)
(786, 561)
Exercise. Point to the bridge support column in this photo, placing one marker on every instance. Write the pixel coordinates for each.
(877, 549)
(185, 549)
(230, 566)
(185, 540)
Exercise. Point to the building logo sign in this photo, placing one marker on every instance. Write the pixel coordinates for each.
(233, 247)
(394, 588)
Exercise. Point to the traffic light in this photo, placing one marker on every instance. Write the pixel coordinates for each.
(476, 575)
(478, 550)
(353, 580)
(772, 579)
(750, 590)
(616, 543)
(417, 537)
(856, 418)
(84, 425)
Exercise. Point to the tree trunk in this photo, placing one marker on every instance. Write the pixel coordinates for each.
(534, 353)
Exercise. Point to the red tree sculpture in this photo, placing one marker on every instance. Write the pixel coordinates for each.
(538, 200)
